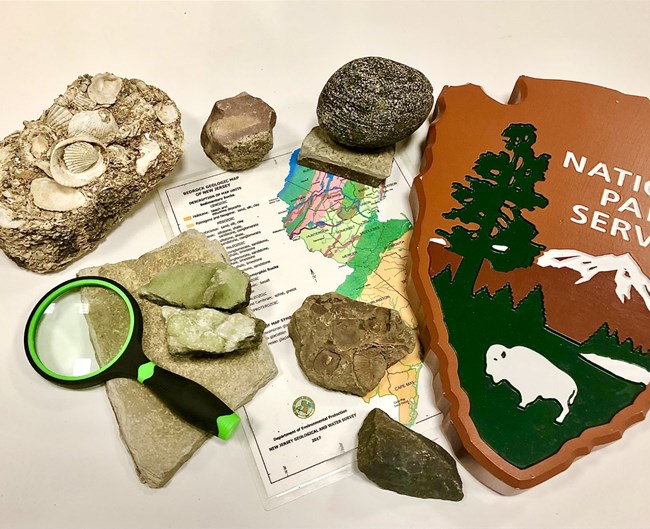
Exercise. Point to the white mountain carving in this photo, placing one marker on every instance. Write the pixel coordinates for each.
(628, 274)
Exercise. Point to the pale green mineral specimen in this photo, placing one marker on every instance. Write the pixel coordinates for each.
(197, 285)
(210, 332)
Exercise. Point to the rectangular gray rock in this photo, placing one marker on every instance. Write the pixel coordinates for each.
(370, 167)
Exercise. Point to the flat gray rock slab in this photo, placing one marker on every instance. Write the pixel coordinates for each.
(370, 167)
(159, 442)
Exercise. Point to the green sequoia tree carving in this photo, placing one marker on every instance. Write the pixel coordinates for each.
(491, 208)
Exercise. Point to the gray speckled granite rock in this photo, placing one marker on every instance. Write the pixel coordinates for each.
(347, 345)
(320, 152)
(374, 102)
(159, 442)
(398, 459)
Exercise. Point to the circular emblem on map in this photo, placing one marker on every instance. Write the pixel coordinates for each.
(303, 407)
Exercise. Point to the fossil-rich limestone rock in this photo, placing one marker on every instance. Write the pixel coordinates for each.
(69, 176)
(347, 345)
(197, 285)
(374, 102)
(401, 460)
(369, 167)
(159, 442)
(239, 132)
(210, 332)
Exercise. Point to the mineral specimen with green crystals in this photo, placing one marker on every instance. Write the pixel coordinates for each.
(197, 285)
(210, 332)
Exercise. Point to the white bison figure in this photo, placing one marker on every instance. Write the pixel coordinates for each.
(531, 375)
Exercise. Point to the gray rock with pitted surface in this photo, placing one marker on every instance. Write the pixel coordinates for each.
(374, 102)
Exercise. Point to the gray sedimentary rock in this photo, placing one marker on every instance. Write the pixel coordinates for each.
(69, 176)
(159, 442)
(370, 167)
(210, 332)
(374, 102)
(239, 132)
(196, 285)
(347, 345)
(398, 459)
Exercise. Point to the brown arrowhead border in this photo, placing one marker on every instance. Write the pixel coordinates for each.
(433, 334)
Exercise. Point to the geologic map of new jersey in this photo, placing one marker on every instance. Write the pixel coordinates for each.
(323, 234)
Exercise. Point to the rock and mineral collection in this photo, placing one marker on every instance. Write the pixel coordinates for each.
(159, 442)
(197, 285)
(320, 152)
(398, 459)
(374, 102)
(238, 132)
(209, 332)
(69, 176)
(347, 345)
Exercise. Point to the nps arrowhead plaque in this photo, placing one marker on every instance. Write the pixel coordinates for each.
(531, 263)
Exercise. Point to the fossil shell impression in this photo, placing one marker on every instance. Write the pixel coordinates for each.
(77, 161)
(58, 118)
(104, 88)
(149, 150)
(49, 195)
(166, 113)
(83, 102)
(99, 124)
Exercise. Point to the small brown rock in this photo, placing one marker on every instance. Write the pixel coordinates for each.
(347, 345)
(239, 132)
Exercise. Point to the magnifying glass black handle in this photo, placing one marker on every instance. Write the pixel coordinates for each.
(190, 401)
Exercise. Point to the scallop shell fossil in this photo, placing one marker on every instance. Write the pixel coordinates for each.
(83, 102)
(99, 124)
(58, 118)
(80, 156)
(104, 87)
(49, 195)
(77, 161)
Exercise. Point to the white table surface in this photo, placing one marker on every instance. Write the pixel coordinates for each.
(62, 463)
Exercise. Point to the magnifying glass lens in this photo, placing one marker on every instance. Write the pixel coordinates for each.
(81, 330)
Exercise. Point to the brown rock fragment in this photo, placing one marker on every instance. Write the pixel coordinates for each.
(238, 133)
(347, 345)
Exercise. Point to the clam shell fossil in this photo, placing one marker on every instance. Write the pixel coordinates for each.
(99, 124)
(166, 113)
(58, 118)
(7, 219)
(149, 151)
(39, 146)
(104, 87)
(77, 161)
(49, 195)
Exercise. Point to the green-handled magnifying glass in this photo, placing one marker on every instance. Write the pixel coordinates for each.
(71, 319)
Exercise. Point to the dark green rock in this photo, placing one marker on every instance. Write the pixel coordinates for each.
(374, 102)
(403, 461)
(197, 285)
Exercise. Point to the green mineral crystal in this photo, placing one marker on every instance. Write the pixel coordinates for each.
(197, 285)
(210, 332)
